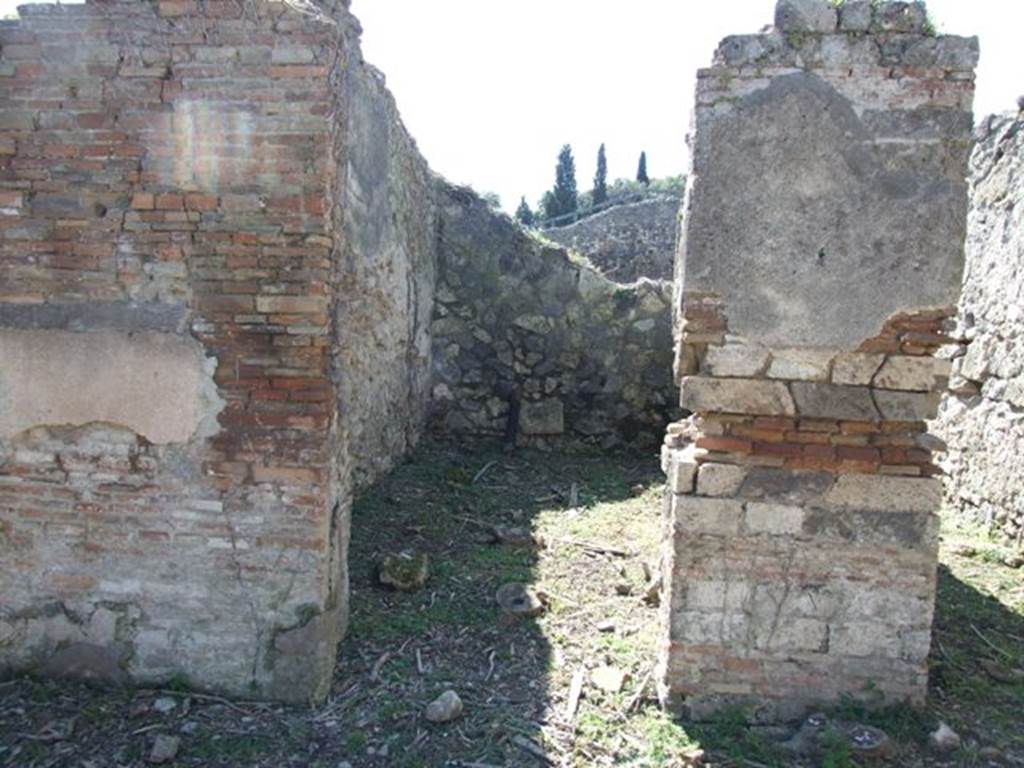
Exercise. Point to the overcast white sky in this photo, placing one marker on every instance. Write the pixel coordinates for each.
(492, 89)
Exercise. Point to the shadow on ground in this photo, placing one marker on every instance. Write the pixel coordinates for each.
(571, 534)
(594, 524)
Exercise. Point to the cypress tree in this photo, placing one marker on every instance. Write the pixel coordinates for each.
(641, 171)
(565, 195)
(601, 178)
(549, 206)
(523, 213)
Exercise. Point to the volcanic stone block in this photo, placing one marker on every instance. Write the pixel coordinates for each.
(805, 16)
(544, 417)
(702, 394)
(736, 360)
(720, 479)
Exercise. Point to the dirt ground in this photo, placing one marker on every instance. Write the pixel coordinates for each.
(581, 530)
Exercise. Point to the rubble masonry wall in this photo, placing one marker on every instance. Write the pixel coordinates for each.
(524, 334)
(983, 418)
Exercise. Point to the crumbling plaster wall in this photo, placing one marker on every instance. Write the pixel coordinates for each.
(176, 253)
(983, 419)
(627, 242)
(520, 327)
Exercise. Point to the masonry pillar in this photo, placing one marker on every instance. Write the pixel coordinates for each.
(820, 263)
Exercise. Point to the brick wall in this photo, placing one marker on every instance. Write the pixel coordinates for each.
(820, 268)
(178, 169)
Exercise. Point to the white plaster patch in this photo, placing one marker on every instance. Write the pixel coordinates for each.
(158, 385)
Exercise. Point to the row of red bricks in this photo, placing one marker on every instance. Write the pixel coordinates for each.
(913, 333)
(821, 444)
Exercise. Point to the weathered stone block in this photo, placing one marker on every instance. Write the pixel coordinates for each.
(292, 54)
(704, 394)
(907, 406)
(720, 479)
(855, 15)
(801, 364)
(892, 494)
(711, 517)
(909, 373)
(739, 360)
(805, 16)
(729, 596)
(542, 417)
(829, 401)
(791, 636)
(901, 17)
(856, 368)
(681, 470)
(774, 519)
(795, 487)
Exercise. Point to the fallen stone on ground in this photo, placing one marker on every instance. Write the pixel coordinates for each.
(944, 739)
(610, 679)
(445, 708)
(963, 550)
(165, 749)
(513, 536)
(519, 601)
(817, 732)
(164, 704)
(405, 572)
(1001, 673)
(652, 593)
(868, 742)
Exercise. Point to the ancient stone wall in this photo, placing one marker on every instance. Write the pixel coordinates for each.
(820, 264)
(177, 445)
(521, 328)
(387, 275)
(627, 242)
(983, 419)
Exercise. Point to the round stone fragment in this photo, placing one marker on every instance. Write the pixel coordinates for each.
(164, 704)
(944, 739)
(165, 749)
(869, 742)
(610, 679)
(518, 600)
(445, 708)
(405, 572)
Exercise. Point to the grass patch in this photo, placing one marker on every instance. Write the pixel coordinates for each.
(214, 746)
